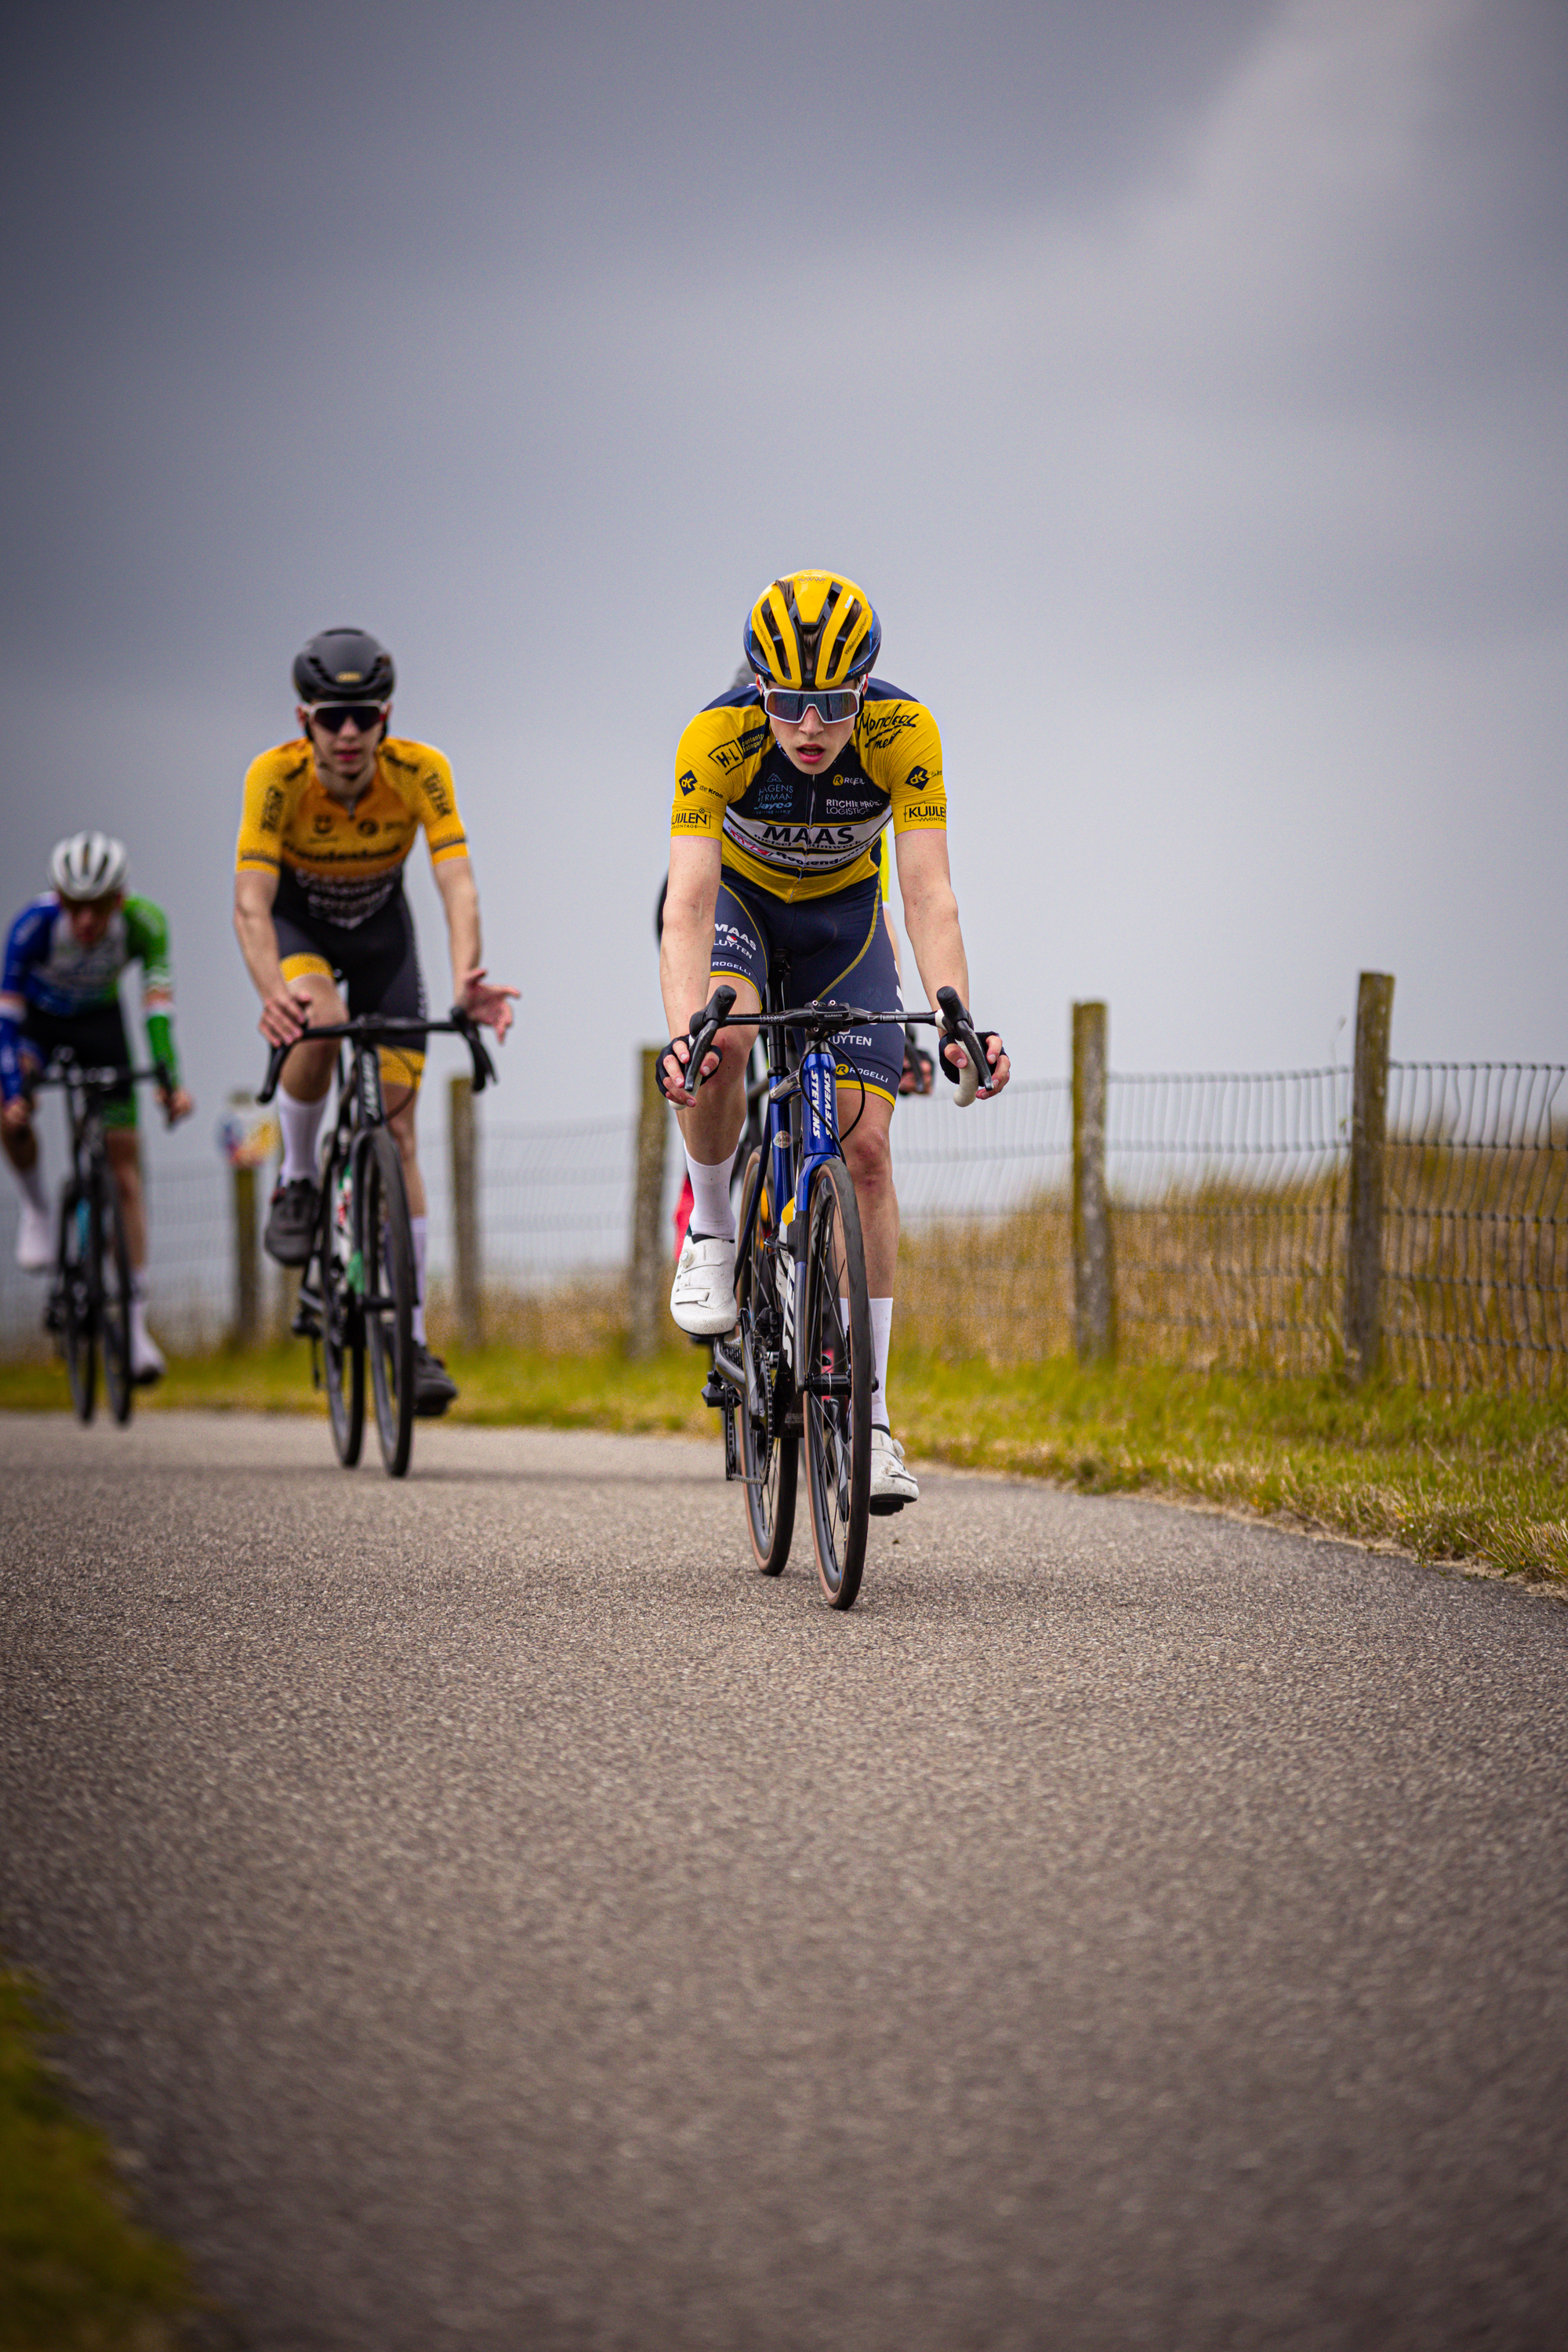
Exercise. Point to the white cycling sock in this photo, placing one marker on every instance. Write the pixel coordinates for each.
(301, 1124)
(712, 1213)
(881, 1332)
(420, 1229)
(31, 1180)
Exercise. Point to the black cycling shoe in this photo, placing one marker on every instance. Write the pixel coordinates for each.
(434, 1387)
(291, 1222)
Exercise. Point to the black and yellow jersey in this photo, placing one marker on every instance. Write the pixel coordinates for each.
(801, 836)
(346, 862)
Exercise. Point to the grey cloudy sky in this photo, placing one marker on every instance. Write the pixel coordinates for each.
(1187, 386)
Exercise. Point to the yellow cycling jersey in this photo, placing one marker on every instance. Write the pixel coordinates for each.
(345, 863)
(798, 835)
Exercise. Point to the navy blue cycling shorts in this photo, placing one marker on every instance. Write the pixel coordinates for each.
(839, 950)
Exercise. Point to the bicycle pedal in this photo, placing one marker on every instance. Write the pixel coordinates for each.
(716, 1391)
(307, 1323)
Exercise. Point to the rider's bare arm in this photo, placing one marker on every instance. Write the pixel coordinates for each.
(487, 1001)
(686, 949)
(931, 918)
(282, 1008)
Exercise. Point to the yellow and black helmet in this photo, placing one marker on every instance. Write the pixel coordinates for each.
(812, 628)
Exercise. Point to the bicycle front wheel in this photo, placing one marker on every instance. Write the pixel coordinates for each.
(769, 1458)
(343, 1320)
(76, 1288)
(836, 1383)
(387, 1245)
(114, 1292)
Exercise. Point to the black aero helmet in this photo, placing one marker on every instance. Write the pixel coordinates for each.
(344, 665)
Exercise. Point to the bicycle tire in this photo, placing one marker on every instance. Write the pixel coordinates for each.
(838, 1344)
(342, 1322)
(74, 1259)
(769, 1457)
(114, 1297)
(387, 1243)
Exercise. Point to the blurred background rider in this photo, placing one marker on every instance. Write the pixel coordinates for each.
(64, 956)
(329, 819)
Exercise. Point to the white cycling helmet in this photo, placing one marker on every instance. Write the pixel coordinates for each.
(88, 865)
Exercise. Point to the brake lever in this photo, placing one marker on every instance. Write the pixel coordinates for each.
(959, 1029)
(467, 1028)
(714, 1015)
(275, 1062)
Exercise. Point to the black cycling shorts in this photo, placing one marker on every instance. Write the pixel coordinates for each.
(97, 1038)
(376, 963)
(839, 951)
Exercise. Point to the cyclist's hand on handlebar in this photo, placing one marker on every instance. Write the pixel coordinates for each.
(489, 1001)
(677, 1079)
(16, 1117)
(177, 1105)
(954, 1059)
(284, 1016)
(954, 1056)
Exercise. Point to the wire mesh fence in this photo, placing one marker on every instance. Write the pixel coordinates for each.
(1229, 1219)
(1475, 1257)
(1230, 1198)
(985, 1197)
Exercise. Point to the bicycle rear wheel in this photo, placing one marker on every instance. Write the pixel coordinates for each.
(388, 1259)
(343, 1318)
(77, 1272)
(769, 1457)
(836, 1373)
(115, 1294)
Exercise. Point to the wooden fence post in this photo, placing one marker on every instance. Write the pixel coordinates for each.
(1094, 1301)
(1368, 1127)
(246, 1259)
(646, 1328)
(461, 1127)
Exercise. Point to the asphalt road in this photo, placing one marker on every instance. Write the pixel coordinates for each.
(492, 1915)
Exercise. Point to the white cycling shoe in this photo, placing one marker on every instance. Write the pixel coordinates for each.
(147, 1363)
(702, 1301)
(35, 1239)
(891, 1485)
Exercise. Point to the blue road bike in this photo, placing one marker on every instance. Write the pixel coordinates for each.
(88, 1308)
(797, 1368)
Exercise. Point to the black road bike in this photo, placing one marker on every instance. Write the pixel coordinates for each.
(357, 1289)
(89, 1308)
(798, 1365)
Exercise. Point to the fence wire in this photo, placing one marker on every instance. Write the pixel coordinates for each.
(1230, 1195)
(985, 1197)
(1475, 1257)
(1229, 1223)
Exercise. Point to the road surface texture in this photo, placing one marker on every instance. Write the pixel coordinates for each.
(493, 1916)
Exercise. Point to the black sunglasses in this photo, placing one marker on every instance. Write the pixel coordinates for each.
(335, 716)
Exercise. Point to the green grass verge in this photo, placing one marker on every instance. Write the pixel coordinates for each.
(77, 2274)
(1481, 1480)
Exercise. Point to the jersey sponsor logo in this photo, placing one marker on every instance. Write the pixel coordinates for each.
(694, 819)
(877, 731)
(726, 756)
(927, 812)
(771, 793)
(439, 798)
(367, 826)
(917, 779)
(324, 824)
(688, 782)
(806, 837)
(272, 809)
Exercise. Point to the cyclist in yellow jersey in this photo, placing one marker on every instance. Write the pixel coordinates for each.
(328, 822)
(784, 789)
